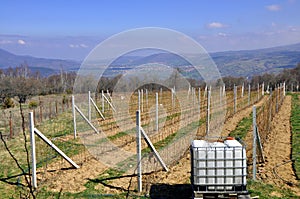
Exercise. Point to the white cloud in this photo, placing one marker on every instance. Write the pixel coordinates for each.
(83, 46)
(78, 46)
(221, 34)
(292, 29)
(6, 42)
(21, 42)
(216, 25)
(273, 7)
(282, 35)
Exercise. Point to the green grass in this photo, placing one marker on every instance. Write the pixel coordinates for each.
(295, 122)
(131, 131)
(268, 191)
(54, 128)
(121, 134)
(91, 191)
(242, 128)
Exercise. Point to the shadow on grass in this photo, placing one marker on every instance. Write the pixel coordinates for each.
(8, 180)
(157, 191)
(166, 191)
(106, 184)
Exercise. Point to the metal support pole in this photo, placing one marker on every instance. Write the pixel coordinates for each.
(108, 94)
(156, 111)
(234, 98)
(249, 94)
(43, 137)
(257, 92)
(199, 96)
(208, 111)
(174, 90)
(148, 141)
(33, 157)
(194, 96)
(220, 95)
(142, 100)
(260, 147)
(254, 143)
(87, 121)
(191, 101)
(147, 98)
(139, 100)
(242, 95)
(139, 150)
(102, 101)
(283, 88)
(109, 103)
(172, 97)
(97, 109)
(161, 94)
(74, 116)
(89, 107)
(277, 101)
(10, 125)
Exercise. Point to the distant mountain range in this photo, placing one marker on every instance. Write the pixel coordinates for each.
(44, 65)
(254, 62)
(230, 63)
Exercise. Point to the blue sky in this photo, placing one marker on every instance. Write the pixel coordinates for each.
(70, 29)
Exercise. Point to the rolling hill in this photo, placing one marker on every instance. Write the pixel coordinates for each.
(45, 66)
(230, 63)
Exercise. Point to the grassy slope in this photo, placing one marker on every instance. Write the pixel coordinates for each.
(268, 191)
(295, 122)
(54, 129)
(258, 188)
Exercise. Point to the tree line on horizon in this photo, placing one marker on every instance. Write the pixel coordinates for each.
(20, 83)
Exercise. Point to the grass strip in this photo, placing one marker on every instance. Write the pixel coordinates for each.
(268, 191)
(242, 128)
(295, 123)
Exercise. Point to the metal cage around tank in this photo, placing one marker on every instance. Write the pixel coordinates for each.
(218, 167)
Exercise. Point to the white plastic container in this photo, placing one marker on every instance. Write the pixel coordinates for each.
(217, 165)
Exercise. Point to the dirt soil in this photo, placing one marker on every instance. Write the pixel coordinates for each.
(61, 176)
(232, 122)
(277, 150)
(180, 172)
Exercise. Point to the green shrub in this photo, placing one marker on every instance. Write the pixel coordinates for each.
(32, 104)
(64, 100)
(8, 103)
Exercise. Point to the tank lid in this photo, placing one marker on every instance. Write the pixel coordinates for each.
(230, 138)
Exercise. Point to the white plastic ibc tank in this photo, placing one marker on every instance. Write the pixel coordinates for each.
(237, 153)
(217, 164)
(219, 169)
(199, 162)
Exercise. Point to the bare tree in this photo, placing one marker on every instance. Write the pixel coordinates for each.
(28, 191)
